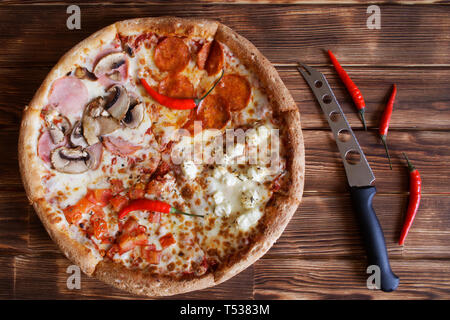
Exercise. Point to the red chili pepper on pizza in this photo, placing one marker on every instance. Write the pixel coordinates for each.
(177, 103)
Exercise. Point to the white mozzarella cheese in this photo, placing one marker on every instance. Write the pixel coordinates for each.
(189, 169)
(248, 219)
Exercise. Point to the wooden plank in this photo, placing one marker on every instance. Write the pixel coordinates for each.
(427, 150)
(44, 276)
(346, 279)
(284, 33)
(7, 277)
(422, 101)
(229, 2)
(10, 180)
(13, 222)
(325, 226)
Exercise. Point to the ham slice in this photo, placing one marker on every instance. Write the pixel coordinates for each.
(46, 145)
(119, 146)
(108, 80)
(69, 95)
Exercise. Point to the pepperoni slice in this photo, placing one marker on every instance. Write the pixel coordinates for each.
(215, 60)
(213, 112)
(69, 95)
(172, 55)
(236, 90)
(202, 55)
(177, 86)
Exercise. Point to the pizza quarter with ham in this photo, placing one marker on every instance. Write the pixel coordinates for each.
(142, 153)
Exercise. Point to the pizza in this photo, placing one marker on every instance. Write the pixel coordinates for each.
(163, 155)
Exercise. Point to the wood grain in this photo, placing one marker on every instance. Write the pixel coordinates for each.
(422, 99)
(325, 227)
(320, 255)
(284, 33)
(426, 149)
(13, 222)
(346, 279)
(46, 275)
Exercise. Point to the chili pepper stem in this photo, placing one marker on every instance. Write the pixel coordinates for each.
(363, 119)
(383, 139)
(198, 100)
(410, 165)
(175, 210)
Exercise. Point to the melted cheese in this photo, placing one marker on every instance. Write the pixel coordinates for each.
(211, 180)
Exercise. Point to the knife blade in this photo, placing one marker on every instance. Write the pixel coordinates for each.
(359, 176)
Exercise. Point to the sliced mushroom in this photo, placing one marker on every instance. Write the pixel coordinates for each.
(134, 116)
(90, 127)
(76, 136)
(107, 125)
(70, 160)
(115, 76)
(83, 73)
(109, 63)
(95, 108)
(58, 126)
(91, 130)
(118, 102)
(128, 50)
(95, 156)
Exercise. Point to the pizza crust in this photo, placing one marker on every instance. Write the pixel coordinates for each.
(143, 283)
(278, 212)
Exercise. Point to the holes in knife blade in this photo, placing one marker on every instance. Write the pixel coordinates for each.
(335, 116)
(344, 135)
(352, 157)
(326, 99)
(318, 84)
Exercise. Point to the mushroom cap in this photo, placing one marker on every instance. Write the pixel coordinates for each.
(134, 116)
(91, 130)
(95, 155)
(76, 136)
(107, 125)
(109, 63)
(58, 125)
(118, 102)
(69, 160)
(83, 73)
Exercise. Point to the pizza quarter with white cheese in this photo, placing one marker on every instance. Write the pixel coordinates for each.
(163, 155)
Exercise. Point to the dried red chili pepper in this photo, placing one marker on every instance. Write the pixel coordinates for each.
(351, 88)
(151, 205)
(385, 119)
(177, 103)
(415, 186)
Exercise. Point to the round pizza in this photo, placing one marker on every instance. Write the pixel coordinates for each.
(163, 155)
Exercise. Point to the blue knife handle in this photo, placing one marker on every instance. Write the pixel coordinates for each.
(373, 235)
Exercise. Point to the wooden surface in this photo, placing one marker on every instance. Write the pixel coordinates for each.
(320, 255)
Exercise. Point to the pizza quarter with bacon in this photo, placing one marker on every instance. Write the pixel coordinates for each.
(163, 155)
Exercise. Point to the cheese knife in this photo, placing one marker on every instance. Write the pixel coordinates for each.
(359, 175)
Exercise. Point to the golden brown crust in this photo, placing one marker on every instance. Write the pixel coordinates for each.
(278, 212)
(142, 283)
(169, 26)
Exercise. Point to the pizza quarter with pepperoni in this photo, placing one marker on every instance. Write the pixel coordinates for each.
(163, 155)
